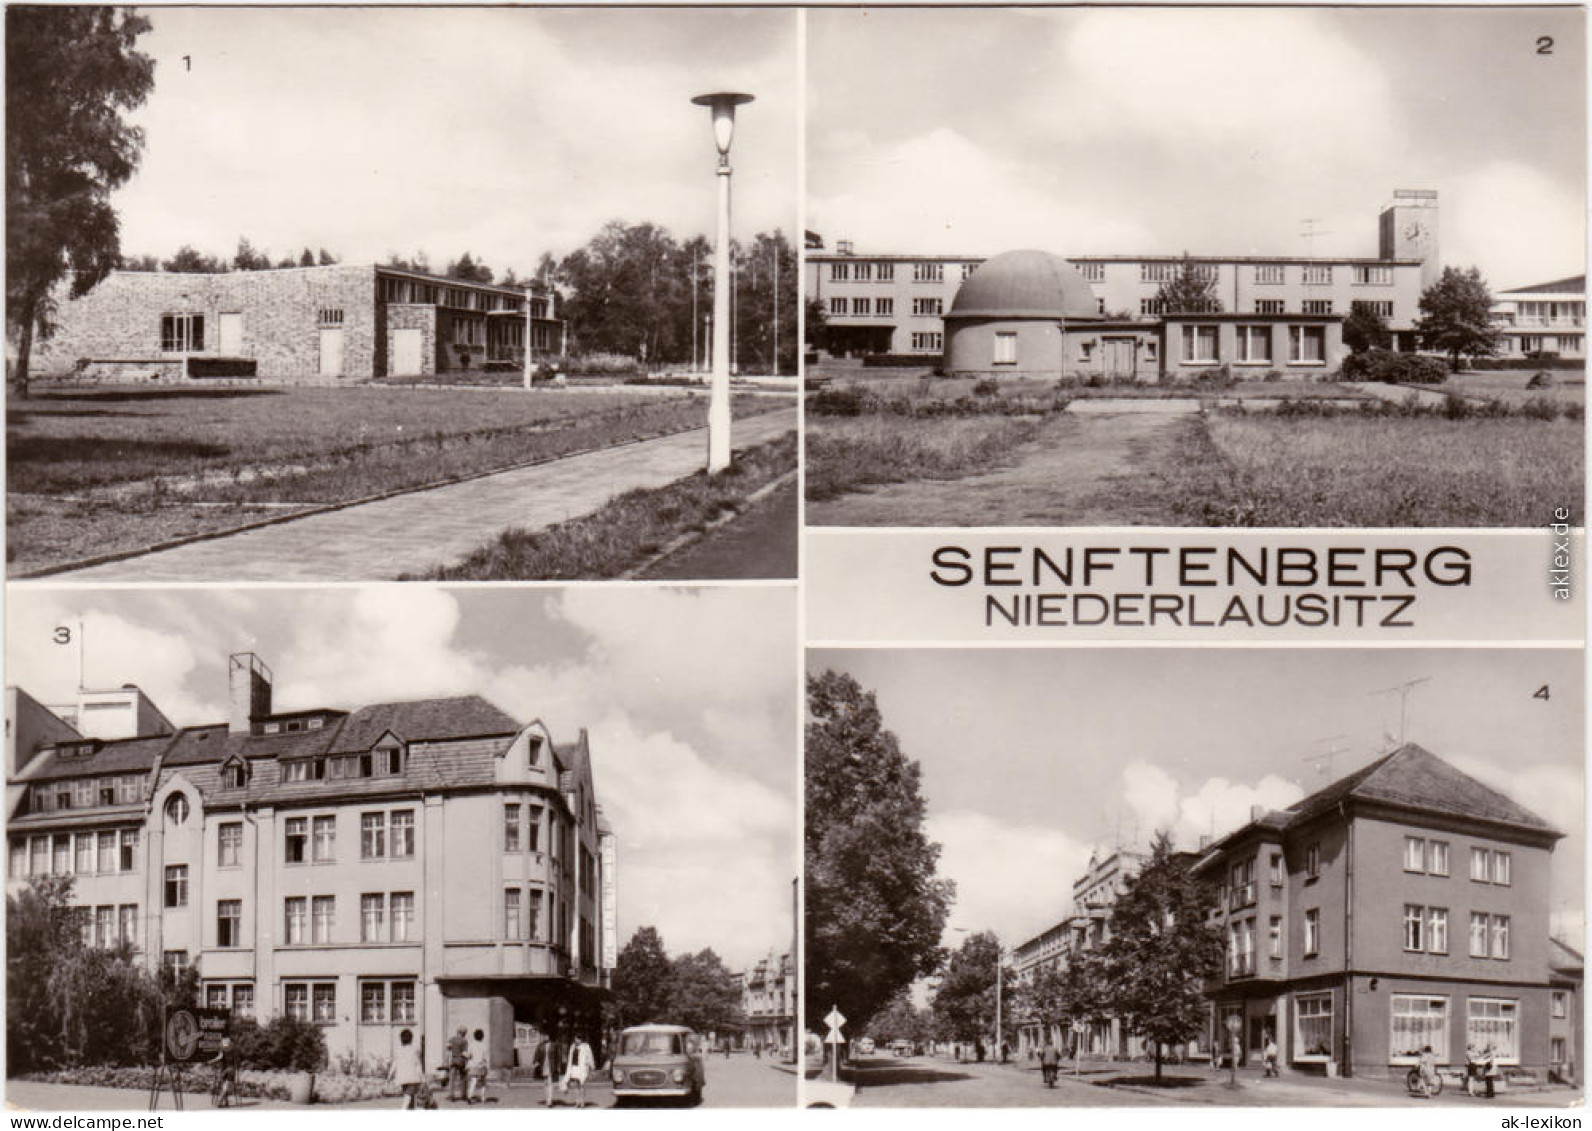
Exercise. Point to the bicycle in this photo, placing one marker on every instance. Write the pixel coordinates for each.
(1412, 1081)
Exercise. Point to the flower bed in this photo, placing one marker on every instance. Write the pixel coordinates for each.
(252, 1083)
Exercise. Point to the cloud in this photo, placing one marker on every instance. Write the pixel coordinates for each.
(1519, 225)
(1216, 807)
(1010, 878)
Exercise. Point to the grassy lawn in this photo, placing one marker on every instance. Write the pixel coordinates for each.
(95, 471)
(630, 530)
(1376, 471)
(923, 385)
(1509, 386)
(847, 453)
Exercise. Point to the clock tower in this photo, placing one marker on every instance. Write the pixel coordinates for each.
(1408, 229)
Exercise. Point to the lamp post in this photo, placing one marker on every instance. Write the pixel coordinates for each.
(723, 104)
(530, 367)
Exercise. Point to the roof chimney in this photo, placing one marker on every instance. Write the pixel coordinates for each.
(248, 691)
(1256, 812)
(1205, 841)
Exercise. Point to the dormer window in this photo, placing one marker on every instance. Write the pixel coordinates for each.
(296, 771)
(389, 760)
(533, 750)
(235, 775)
(271, 728)
(314, 722)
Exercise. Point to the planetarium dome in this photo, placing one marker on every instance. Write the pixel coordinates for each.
(1026, 284)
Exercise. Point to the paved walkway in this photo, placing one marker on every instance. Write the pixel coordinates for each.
(412, 533)
(1399, 394)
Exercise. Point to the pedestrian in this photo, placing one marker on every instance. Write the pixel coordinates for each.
(407, 1071)
(549, 1058)
(1270, 1053)
(1426, 1065)
(581, 1066)
(1489, 1068)
(458, 1062)
(1049, 1061)
(475, 1090)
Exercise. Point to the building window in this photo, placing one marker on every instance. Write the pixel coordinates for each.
(1269, 306)
(1307, 345)
(1268, 273)
(1312, 932)
(1274, 936)
(1373, 276)
(182, 333)
(296, 920)
(403, 916)
(1313, 1027)
(177, 810)
(928, 273)
(511, 828)
(513, 923)
(215, 995)
(1243, 876)
(1093, 272)
(839, 272)
(1501, 867)
(1254, 344)
(533, 928)
(1418, 1021)
(967, 270)
(129, 789)
(61, 854)
(176, 885)
(83, 851)
(105, 926)
(1318, 274)
(1560, 1003)
(403, 1003)
(864, 271)
(108, 855)
(323, 915)
(84, 793)
(296, 840)
(229, 922)
(296, 771)
(1158, 272)
(1317, 306)
(402, 834)
(1199, 344)
(1495, 1022)
(1414, 927)
(860, 306)
(837, 306)
(1500, 937)
(1005, 348)
(1382, 308)
(886, 272)
(1556, 1047)
(1437, 857)
(175, 963)
(325, 838)
(39, 848)
(373, 1003)
(1241, 948)
(373, 918)
(1414, 854)
(884, 308)
(229, 844)
(329, 317)
(927, 307)
(127, 924)
(1437, 930)
(128, 861)
(296, 1000)
(927, 343)
(373, 836)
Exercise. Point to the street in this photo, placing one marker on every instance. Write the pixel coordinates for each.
(740, 1081)
(941, 1082)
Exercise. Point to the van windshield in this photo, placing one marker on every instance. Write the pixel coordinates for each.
(650, 1044)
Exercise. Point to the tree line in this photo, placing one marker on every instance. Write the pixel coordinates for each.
(695, 990)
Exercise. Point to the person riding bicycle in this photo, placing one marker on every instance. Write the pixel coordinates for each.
(1427, 1066)
(226, 1062)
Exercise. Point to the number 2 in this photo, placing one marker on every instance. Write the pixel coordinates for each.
(1544, 45)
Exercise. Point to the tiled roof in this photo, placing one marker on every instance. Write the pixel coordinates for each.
(1414, 778)
(126, 756)
(433, 720)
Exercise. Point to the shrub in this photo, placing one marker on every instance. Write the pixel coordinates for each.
(1540, 408)
(988, 387)
(836, 402)
(1541, 379)
(1394, 368)
(601, 365)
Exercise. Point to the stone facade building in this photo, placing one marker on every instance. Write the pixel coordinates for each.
(296, 324)
(422, 865)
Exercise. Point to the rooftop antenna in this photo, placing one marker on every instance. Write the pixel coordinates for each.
(82, 646)
(1323, 759)
(1310, 231)
(1403, 690)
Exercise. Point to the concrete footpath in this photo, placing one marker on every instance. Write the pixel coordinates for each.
(414, 532)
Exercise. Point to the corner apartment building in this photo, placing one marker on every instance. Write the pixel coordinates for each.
(423, 864)
(323, 325)
(1543, 320)
(1403, 905)
(894, 304)
(768, 998)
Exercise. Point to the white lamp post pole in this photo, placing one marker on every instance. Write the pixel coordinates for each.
(530, 369)
(723, 104)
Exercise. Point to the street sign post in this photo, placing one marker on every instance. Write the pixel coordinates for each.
(835, 1019)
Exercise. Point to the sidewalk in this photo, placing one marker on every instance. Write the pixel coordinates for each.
(413, 532)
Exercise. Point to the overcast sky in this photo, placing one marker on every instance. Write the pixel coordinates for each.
(505, 132)
(1215, 131)
(690, 698)
(1033, 758)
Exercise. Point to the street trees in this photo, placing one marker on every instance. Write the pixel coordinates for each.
(1191, 291)
(964, 1003)
(1161, 951)
(643, 979)
(705, 995)
(900, 1020)
(1456, 316)
(1364, 329)
(765, 304)
(70, 75)
(875, 907)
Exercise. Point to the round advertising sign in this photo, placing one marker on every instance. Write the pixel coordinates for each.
(182, 1035)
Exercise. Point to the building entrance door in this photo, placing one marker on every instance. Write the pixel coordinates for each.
(332, 352)
(1120, 356)
(406, 353)
(231, 344)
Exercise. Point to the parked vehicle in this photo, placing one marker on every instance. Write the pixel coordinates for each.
(658, 1061)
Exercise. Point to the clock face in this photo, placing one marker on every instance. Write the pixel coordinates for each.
(1414, 230)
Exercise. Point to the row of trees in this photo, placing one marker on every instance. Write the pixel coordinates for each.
(696, 990)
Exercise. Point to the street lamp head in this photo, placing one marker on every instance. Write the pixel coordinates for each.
(723, 104)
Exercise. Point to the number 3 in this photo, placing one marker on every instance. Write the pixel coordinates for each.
(63, 635)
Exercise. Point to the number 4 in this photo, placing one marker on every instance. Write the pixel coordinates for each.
(1541, 693)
